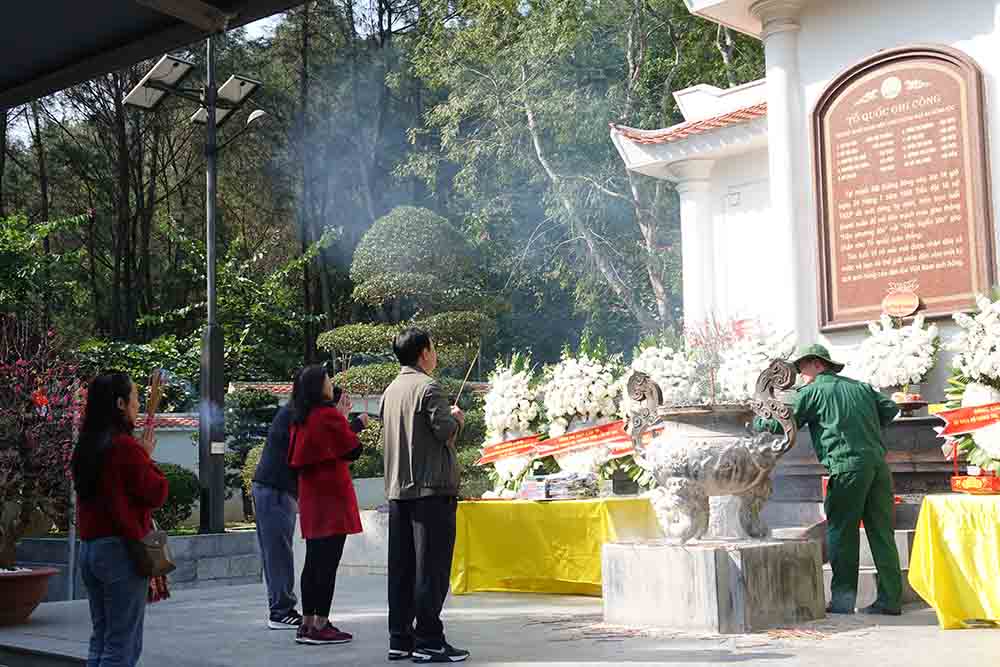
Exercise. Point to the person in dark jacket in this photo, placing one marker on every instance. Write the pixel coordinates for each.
(321, 448)
(275, 493)
(421, 483)
(118, 486)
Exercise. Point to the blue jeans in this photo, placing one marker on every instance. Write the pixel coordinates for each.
(275, 511)
(117, 596)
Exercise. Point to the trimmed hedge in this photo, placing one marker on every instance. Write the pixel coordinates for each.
(183, 494)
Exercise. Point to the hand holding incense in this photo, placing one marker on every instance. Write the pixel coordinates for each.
(152, 406)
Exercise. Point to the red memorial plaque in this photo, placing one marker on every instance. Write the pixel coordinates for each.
(902, 184)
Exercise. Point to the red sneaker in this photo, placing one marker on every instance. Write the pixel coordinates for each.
(325, 635)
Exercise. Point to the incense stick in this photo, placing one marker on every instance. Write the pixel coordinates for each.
(471, 366)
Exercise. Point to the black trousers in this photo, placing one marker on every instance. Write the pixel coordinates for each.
(319, 574)
(421, 542)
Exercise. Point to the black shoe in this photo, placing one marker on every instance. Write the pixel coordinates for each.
(879, 609)
(400, 648)
(830, 609)
(290, 621)
(438, 652)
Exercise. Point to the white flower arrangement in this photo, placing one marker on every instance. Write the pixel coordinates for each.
(976, 379)
(895, 355)
(583, 461)
(746, 359)
(511, 405)
(579, 389)
(672, 370)
(977, 346)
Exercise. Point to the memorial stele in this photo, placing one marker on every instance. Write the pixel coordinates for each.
(899, 147)
(856, 174)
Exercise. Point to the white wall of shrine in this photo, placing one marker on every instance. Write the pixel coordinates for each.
(742, 226)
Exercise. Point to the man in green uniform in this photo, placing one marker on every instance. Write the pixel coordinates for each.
(845, 418)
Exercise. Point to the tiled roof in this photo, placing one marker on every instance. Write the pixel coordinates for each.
(277, 388)
(168, 420)
(685, 130)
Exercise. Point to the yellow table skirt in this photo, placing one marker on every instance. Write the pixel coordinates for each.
(955, 562)
(542, 547)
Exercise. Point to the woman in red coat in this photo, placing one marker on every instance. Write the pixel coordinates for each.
(117, 486)
(322, 446)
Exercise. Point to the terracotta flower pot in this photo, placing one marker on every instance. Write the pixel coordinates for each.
(21, 592)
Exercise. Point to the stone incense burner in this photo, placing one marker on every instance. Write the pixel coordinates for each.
(708, 451)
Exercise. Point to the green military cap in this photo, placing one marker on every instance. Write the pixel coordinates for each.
(816, 351)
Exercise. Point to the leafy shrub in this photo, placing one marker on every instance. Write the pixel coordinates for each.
(184, 493)
(370, 463)
(360, 339)
(456, 336)
(367, 379)
(248, 416)
(416, 254)
(250, 467)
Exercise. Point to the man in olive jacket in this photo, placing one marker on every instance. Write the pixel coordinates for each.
(421, 484)
(845, 419)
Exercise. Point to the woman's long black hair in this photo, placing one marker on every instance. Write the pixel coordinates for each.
(101, 420)
(308, 393)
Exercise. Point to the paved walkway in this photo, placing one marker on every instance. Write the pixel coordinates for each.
(223, 627)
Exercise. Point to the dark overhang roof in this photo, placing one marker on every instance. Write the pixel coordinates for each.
(48, 45)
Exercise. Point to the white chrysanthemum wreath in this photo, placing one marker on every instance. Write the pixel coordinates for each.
(896, 355)
(976, 379)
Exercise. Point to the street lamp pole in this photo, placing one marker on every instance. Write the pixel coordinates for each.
(211, 440)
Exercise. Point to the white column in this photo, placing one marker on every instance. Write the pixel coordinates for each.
(787, 143)
(697, 243)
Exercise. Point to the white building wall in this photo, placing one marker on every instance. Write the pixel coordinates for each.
(837, 34)
(744, 231)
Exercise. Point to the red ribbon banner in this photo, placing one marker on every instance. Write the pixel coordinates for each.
(967, 420)
(505, 450)
(611, 435)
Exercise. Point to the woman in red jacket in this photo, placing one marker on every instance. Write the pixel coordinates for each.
(117, 486)
(322, 445)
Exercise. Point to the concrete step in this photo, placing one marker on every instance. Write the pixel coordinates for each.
(904, 544)
(868, 586)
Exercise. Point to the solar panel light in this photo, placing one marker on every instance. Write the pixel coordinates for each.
(231, 96)
(166, 77)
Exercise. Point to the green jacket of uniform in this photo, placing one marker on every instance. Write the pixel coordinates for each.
(416, 428)
(845, 419)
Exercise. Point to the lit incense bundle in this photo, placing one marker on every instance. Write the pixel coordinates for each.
(153, 404)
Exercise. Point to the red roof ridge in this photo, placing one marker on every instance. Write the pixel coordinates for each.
(171, 420)
(689, 128)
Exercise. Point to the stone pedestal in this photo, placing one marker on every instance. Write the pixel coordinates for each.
(717, 586)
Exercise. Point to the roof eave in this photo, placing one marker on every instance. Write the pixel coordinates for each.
(150, 45)
(733, 14)
(655, 159)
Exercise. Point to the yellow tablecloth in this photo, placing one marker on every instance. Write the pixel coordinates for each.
(955, 562)
(542, 547)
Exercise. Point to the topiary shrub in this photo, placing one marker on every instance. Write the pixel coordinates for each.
(416, 254)
(250, 467)
(368, 379)
(370, 463)
(184, 493)
(249, 413)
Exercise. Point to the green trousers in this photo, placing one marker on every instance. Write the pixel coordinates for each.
(850, 498)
